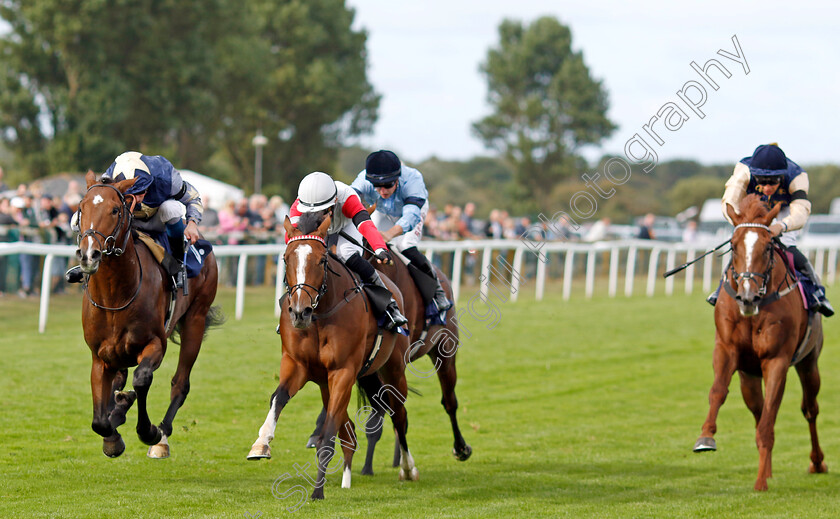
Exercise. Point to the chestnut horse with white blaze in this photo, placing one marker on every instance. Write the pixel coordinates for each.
(124, 314)
(330, 337)
(762, 328)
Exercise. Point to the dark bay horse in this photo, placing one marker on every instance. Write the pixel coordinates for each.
(438, 342)
(334, 347)
(124, 312)
(761, 335)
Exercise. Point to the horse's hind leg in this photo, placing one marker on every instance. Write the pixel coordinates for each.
(192, 334)
(809, 376)
(753, 397)
(448, 377)
(143, 375)
(101, 383)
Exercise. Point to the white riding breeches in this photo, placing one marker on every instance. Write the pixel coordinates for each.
(410, 238)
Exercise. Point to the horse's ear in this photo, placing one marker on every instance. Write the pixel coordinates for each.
(772, 214)
(734, 217)
(90, 178)
(290, 229)
(124, 185)
(324, 227)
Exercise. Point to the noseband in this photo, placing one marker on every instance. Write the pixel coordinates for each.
(754, 276)
(306, 288)
(108, 243)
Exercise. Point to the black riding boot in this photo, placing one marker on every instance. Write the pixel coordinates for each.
(713, 297)
(422, 262)
(393, 317)
(74, 275)
(801, 263)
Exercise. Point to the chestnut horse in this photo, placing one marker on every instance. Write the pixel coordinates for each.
(761, 335)
(124, 314)
(333, 348)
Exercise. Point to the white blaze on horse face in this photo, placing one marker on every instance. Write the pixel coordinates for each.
(98, 200)
(303, 251)
(750, 240)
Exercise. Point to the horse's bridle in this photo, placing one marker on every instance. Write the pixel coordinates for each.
(108, 243)
(307, 288)
(751, 276)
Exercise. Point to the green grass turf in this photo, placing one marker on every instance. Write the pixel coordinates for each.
(573, 409)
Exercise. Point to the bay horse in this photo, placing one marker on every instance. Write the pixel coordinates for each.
(761, 335)
(124, 317)
(333, 348)
(440, 343)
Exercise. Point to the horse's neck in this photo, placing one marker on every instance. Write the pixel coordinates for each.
(121, 271)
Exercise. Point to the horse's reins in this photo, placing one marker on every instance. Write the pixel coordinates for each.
(319, 292)
(751, 276)
(108, 244)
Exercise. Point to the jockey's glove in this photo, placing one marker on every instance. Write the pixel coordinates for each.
(382, 255)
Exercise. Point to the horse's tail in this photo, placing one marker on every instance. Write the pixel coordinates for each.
(215, 317)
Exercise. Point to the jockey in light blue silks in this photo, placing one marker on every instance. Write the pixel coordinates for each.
(401, 206)
(163, 200)
(777, 179)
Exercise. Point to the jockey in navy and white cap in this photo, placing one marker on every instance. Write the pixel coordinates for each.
(319, 195)
(163, 199)
(401, 205)
(777, 179)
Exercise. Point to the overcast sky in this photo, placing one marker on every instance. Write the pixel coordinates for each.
(424, 58)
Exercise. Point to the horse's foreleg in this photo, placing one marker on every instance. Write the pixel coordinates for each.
(292, 378)
(448, 377)
(150, 359)
(753, 397)
(373, 423)
(340, 388)
(101, 384)
(809, 376)
(319, 425)
(775, 374)
(396, 390)
(724, 367)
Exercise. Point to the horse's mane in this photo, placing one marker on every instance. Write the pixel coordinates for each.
(309, 222)
(752, 208)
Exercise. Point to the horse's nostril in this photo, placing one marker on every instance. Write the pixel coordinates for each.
(79, 253)
(95, 255)
(306, 312)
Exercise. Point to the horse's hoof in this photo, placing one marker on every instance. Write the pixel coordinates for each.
(311, 442)
(318, 493)
(823, 468)
(463, 454)
(414, 475)
(125, 398)
(113, 448)
(159, 451)
(260, 451)
(367, 471)
(705, 444)
(761, 486)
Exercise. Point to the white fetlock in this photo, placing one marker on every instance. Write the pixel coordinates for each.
(346, 477)
(160, 450)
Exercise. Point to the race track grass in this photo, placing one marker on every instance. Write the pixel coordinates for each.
(573, 409)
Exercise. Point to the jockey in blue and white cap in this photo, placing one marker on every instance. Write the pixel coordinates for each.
(777, 179)
(401, 205)
(163, 200)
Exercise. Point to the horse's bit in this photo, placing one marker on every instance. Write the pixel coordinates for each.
(307, 288)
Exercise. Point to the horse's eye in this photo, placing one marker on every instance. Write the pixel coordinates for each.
(115, 210)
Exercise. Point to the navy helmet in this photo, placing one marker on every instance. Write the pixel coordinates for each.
(382, 168)
(129, 165)
(768, 160)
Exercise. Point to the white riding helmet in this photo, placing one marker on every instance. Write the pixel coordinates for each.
(316, 192)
